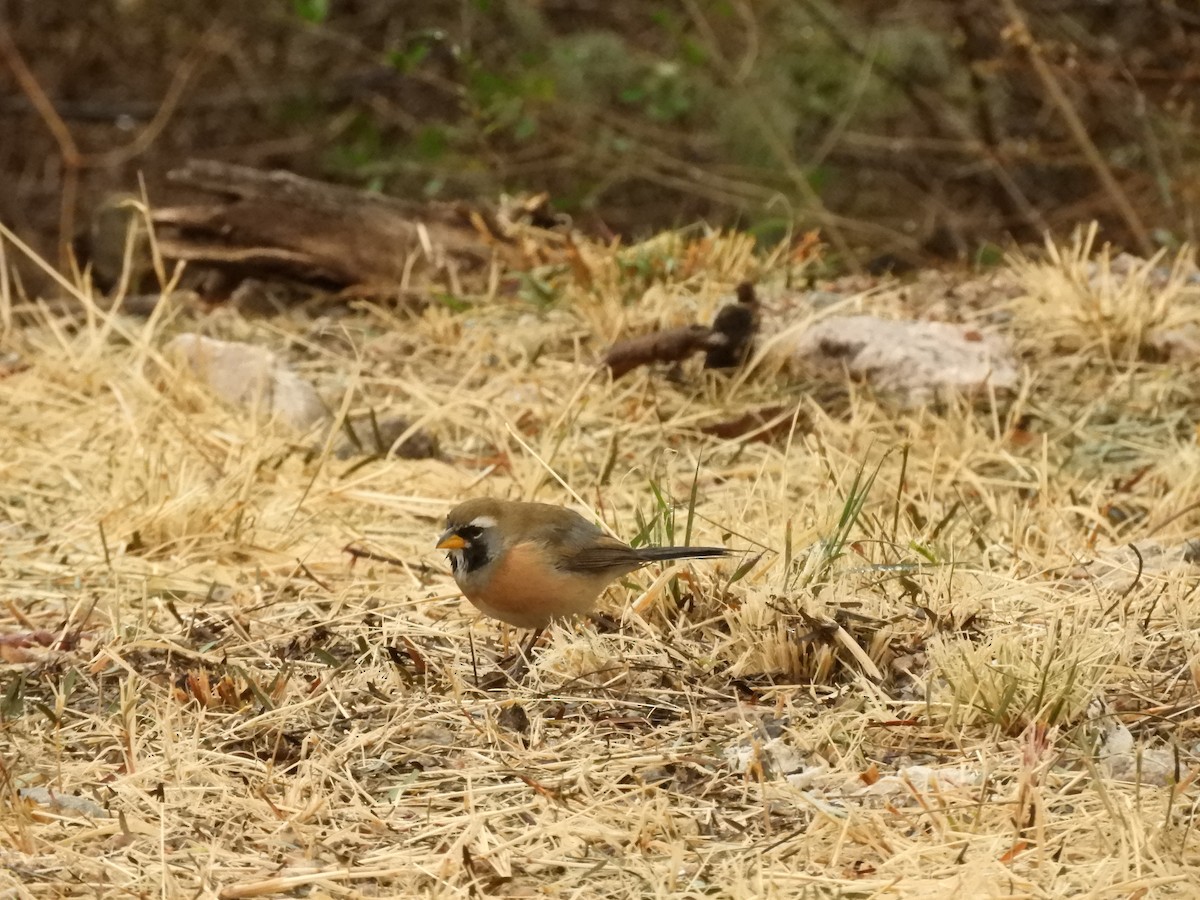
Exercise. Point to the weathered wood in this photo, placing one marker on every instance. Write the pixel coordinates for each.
(668, 345)
(727, 343)
(278, 223)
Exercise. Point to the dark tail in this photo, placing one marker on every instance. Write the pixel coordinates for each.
(656, 554)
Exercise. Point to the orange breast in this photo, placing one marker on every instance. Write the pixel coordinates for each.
(527, 591)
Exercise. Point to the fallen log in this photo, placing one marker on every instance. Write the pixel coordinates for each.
(727, 342)
(274, 223)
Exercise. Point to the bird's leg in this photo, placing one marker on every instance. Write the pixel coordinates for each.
(604, 623)
(529, 646)
(516, 667)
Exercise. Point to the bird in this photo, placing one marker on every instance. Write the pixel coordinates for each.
(529, 564)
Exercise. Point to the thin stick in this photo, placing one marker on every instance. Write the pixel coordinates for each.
(1024, 37)
(72, 159)
(570, 490)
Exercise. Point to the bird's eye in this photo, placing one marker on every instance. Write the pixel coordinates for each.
(470, 533)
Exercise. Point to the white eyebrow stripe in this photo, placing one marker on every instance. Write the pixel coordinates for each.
(483, 522)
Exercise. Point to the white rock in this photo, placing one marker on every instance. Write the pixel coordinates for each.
(250, 377)
(925, 779)
(776, 757)
(915, 359)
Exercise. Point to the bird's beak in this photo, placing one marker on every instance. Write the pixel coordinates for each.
(450, 541)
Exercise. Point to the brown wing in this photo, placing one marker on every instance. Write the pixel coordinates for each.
(581, 546)
(601, 554)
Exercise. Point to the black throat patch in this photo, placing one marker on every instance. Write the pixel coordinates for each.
(475, 554)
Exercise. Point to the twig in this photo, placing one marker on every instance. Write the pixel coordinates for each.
(924, 105)
(1023, 38)
(773, 139)
(166, 109)
(72, 159)
(668, 345)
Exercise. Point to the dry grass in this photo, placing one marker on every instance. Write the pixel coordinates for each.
(204, 695)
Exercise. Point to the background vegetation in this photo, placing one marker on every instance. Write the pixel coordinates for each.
(957, 652)
(915, 129)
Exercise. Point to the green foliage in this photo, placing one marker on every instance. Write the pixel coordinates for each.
(314, 11)
(432, 142)
(12, 703)
(662, 94)
(591, 67)
(362, 143)
(537, 290)
(452, 302)
(1046, 677)
(662, 113)
(658, 527)
(408, 59)
(989, 255)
